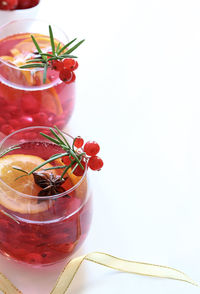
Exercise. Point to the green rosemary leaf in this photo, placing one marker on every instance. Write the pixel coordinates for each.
(21, 177)
(66, 169)
(33, 65)
(47, 54)
(52, 40)
(74, 47)
(56, 167)
(50, 138)
(9, 150)
(57, 129)
(67, 45)
(76, 157)
(66, 56)
(74, 168)
(34, 60)
(37, 46)
(58, 47)
(56, 136)
(45, 73)
(47, 161)
(20, 169)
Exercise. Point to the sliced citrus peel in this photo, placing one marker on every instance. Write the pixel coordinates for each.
(13, 200)
(81, 190)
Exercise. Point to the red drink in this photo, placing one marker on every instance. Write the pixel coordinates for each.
(41, 232)
(24, 99)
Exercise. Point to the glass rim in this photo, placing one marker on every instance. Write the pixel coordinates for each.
(51, 197)
(33, 20)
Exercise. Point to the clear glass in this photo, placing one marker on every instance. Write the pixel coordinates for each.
(45, 231)
(24, 100)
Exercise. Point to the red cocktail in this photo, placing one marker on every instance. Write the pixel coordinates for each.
(24, 99)
(44, 229)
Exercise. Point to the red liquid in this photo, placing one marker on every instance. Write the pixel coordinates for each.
(46, 237)
(24, 99)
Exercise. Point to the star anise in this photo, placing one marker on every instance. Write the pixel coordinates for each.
(51, 184)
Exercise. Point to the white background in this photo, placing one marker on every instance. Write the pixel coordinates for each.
(138, 95)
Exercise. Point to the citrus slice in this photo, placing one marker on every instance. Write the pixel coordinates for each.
(11, 199)
(81, 190)
(27, 45)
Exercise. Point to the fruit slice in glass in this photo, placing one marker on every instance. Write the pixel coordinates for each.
(24, 99)
(39, 230)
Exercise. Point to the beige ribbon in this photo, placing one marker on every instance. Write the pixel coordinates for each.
(133, 267)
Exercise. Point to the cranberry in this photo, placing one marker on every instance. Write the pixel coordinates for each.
(73, 77)
(78, 142)
(33, 258)
(65, 75)
(95, 163)
(7, 129)
(57, 65)
(30, 104)
(2, 121)
(66, 160)
(13, 110)
(91, 148)
(8, 4)
(26, 121)
(14, 123)
(41, 118)
(3, 102)
(6, 115)
(70, 64)
(24, 4)
(51, 119)
(79, 171)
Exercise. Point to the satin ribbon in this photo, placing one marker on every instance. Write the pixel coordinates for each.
(133, 267)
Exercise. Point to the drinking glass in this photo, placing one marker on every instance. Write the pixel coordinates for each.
(24, 100)
(47, 229)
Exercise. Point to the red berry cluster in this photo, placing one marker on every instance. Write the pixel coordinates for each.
(66, 68)
(91, 149)
(17, 4)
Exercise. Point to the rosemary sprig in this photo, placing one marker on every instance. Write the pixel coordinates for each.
(9, 150)
(60, 140)
(44, 59)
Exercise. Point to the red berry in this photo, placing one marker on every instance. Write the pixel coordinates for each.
(8, 4)
(65, 75)
(41, 118)
(30, 104)
(78, 142)
(79, 171)
(2, 121)
(66, 160)
(26, 121)
(57, 65)
(14, 123)
(95, 163)
(70, 64)
(24, 4)
(7, 129)
(73, 77)
(91, 148)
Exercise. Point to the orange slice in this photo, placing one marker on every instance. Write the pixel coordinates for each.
(81, 190)
(12, 200)
(28, 46)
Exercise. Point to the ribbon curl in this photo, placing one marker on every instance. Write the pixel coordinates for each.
(133, 267)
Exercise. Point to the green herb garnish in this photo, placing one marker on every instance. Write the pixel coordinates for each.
(43, 59)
